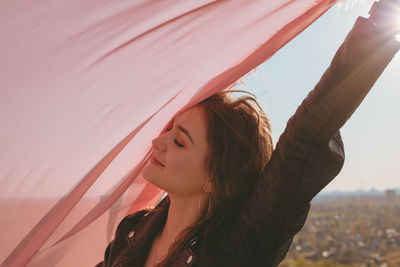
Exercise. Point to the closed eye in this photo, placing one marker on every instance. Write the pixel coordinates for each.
(183, 130)
(175, 141)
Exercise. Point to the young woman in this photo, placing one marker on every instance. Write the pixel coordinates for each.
(232, 199)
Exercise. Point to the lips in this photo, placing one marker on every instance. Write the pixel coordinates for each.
(155, 161)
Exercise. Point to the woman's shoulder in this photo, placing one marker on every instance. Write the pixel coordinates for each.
(139, 219)
(132, 220)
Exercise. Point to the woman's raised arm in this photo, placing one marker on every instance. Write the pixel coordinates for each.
(309, 154)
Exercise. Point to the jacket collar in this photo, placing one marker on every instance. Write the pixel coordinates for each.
(150, 223)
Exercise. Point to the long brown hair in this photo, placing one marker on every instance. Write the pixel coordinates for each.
(239, 147)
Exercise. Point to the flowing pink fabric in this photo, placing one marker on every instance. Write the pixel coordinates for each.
(86, 85)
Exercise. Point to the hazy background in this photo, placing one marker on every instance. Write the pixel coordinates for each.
(371, 135)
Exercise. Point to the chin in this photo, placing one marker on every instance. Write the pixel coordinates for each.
(151, 176)
(147, 173)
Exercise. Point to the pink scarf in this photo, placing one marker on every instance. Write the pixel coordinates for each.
(86, 85)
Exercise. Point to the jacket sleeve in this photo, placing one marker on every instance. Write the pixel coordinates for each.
(309, 153)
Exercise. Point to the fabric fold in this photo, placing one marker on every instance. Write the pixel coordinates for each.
(79, 78)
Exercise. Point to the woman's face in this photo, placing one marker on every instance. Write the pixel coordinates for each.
(181, 150)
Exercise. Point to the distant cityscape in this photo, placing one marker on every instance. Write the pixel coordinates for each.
(343, 229)
(371, 191)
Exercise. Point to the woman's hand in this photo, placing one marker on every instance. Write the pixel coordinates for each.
(385, 14)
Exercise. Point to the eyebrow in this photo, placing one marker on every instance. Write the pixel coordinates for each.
(185, 132)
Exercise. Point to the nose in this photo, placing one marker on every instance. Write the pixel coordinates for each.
(159, 144)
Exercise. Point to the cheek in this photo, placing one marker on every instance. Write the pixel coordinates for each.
(185, 172)
(179, 165)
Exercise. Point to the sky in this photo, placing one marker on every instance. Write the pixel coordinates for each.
(370, 136)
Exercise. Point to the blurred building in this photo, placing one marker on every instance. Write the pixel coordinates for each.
(390, 196)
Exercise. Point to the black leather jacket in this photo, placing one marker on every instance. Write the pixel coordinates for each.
(308, 155)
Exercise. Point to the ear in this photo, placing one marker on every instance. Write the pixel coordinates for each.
(208, 186)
